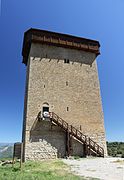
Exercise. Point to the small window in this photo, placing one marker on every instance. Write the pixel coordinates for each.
(67, 108)
(80, 127)
(44, 85)
(66, 61)
(66, 83)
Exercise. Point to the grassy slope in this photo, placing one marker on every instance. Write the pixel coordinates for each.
(44, 170)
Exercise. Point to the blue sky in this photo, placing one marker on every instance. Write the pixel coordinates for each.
(102, 20)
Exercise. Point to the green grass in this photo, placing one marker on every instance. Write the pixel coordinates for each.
(4, 159)
(44, 170)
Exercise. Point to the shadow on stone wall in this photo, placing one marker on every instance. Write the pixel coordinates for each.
(44, 131)
(53, 135)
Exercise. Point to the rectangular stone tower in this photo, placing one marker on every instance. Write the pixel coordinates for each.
(61, 78)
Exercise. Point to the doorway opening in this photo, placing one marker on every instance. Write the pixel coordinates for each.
(45, 109)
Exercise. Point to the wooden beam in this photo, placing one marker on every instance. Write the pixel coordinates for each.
(21, 155)
(85, 149)
(68, 143)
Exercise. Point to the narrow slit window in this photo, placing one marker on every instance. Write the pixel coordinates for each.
(67, 108)
(80, 127)
(66, 83)
(66, 61)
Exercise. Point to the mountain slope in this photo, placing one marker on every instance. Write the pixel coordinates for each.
(6, 150)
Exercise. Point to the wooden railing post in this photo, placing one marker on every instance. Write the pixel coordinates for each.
(76, 132)
(71, 129)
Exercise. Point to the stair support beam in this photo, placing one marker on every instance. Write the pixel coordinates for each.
(85, 150)
(68, 143)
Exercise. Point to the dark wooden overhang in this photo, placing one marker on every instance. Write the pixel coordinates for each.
(57, 39)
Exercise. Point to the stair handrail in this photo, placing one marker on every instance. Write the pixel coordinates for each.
(72, 130)
(58, 119)
(78, 134)
(96, 146)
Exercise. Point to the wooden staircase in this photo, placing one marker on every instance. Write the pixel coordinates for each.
(90, 147)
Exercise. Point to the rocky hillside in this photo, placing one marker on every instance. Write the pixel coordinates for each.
(6, 150)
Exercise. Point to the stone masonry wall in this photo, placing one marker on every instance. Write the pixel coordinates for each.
(49, 142)
(71, 90)
(39, 151)
(54, 135)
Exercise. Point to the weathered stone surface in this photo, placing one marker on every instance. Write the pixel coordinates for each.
(40, 150)
(71, 90)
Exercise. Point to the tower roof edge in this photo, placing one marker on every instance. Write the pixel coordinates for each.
(57, 39)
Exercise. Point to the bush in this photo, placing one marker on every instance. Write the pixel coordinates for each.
(115, 148)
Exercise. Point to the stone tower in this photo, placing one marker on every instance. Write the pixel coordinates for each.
(61, 78)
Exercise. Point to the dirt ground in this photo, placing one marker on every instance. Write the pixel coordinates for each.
(102, 168)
